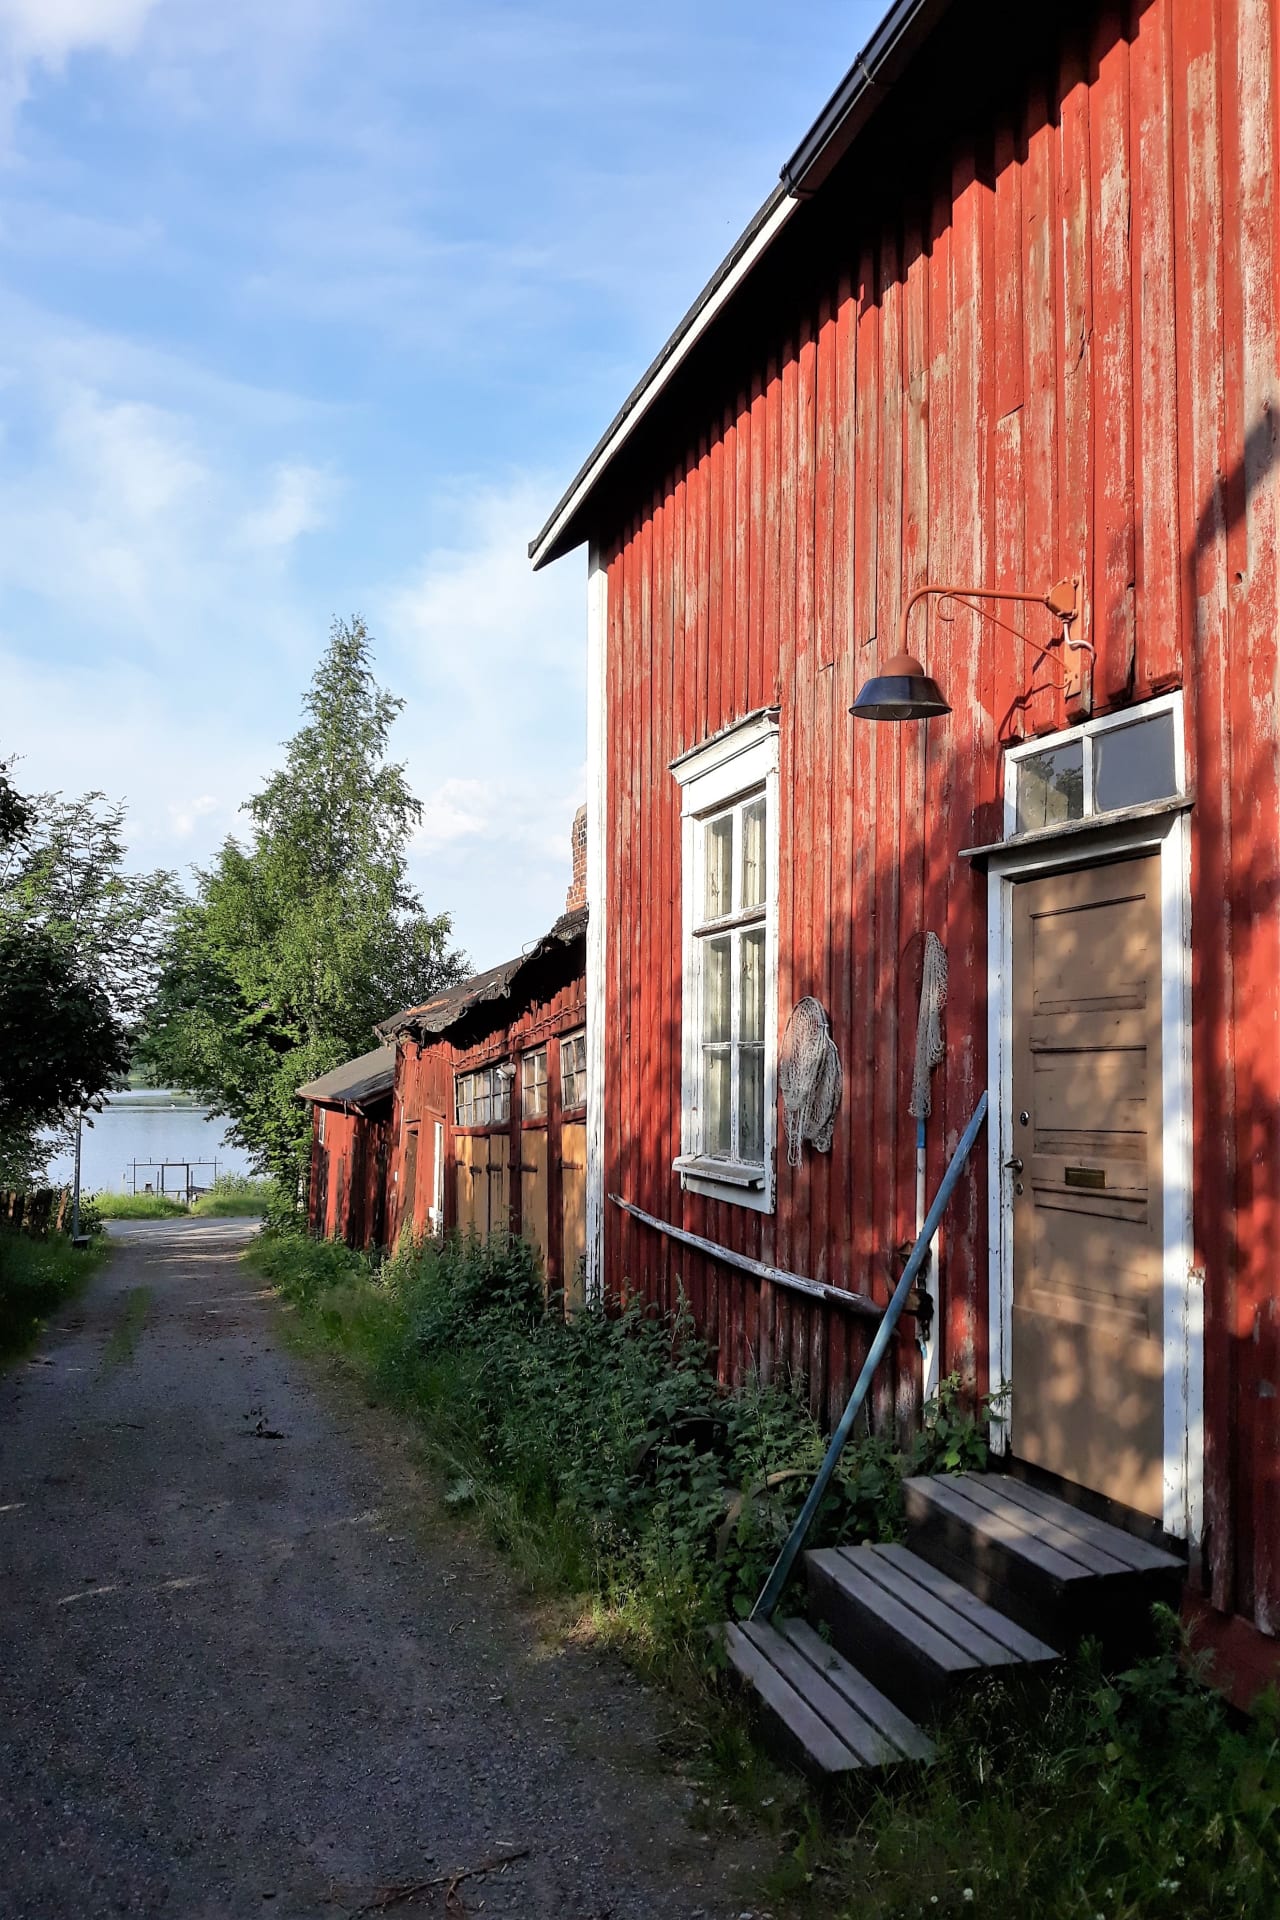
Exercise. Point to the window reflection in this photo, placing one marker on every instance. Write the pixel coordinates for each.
(1051, 787)
(1133, 764)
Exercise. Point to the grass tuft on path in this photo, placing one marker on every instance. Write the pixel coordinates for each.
(603, 1458)
(237, 1196)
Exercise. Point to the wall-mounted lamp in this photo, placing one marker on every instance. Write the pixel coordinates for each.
(904, 691)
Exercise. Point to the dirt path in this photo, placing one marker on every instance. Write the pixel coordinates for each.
(230, 1684)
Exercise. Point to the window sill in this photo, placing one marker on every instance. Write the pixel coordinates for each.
(743, 1186)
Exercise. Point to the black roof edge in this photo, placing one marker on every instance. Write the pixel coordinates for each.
(879, 64)
(877, 67)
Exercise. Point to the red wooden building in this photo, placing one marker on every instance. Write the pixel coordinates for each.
(1008, 324)
(489, 1130)
(350, 1148)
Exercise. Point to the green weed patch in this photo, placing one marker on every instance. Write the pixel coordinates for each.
(37, 1277)
(137, 1206)
(601, 1455)
(237, 1196)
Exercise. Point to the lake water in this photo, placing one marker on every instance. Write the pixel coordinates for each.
(150, 1126)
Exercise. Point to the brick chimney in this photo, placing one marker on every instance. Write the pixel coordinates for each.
(577, 894)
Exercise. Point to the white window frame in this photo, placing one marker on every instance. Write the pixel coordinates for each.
(568, 1040)
(529, 1088)
(499, 1091)
(733, 766)
(324, 1115)
(1087, 733)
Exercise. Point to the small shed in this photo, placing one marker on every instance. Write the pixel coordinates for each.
(351, 1109)
(490, 1114)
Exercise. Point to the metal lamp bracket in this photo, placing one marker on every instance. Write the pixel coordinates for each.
(1062, 601)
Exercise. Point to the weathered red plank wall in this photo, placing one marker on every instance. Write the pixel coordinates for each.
(424, 1093)
(347, 1186)
(1047, 348)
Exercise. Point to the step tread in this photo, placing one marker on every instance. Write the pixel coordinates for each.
(983, 1648)
(823, 1749)
(1016, 1536)
(815, 1688)
(833, 1713)
(1138, 1554)
(1020, 1644)
(842, 1569)
(989, 1492)
(897, 1729)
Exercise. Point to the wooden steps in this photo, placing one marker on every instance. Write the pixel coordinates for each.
(825, 1713)
(1053, 1568)
(915, 1632)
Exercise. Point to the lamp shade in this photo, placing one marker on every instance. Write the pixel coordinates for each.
(904, 691)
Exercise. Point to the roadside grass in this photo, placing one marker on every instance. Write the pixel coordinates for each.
(123, 1341)
(37, 1277)
(600, 1455)
(236, 1196)
(137, 1206)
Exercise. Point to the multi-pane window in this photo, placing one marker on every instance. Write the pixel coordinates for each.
(1121, 760)
(731, 956)
(573, 1070)
(729, 993)
(533, 1101)
(483, 1098)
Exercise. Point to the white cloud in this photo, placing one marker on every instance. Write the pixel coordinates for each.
(46, 33)
(298, 503)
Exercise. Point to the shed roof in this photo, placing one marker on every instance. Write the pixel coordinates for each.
(881, 62)
(436, 1016)
(369, 1077)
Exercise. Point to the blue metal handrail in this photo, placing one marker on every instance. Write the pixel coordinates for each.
(773, 1586)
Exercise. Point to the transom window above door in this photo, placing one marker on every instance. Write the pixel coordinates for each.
(1107, 765)
(729, 998)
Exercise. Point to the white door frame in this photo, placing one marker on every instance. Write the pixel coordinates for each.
(1169, 836)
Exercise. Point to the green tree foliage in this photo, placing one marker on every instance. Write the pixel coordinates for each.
(80, 947)
(300, 941)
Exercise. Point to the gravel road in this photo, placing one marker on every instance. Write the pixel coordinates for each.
(247, 1671)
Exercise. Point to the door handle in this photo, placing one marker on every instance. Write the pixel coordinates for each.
(1014, 1165)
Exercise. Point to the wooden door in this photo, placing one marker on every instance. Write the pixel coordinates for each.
(573, 1197)
(409, 1182)
(1085, 1177)
(533, 1189)
(484, 1166)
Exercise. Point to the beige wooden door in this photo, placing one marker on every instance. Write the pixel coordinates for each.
(483, 1166)
(533, 1188)
(1085, 1179)
(573, 1197)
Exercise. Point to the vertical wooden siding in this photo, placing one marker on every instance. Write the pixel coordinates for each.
(1062, 360)
(425, 1092)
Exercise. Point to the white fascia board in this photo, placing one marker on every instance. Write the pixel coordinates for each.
(658, 377)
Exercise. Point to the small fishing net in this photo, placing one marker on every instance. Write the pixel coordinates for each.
(810, 1080)
(929, 1043)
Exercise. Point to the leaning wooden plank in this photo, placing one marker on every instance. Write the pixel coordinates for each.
(1019, 1642)
(801, 1728)
(796, 1282)
(1042, 1527)
(848, 1725)
(1137, 1553)
(875, 1707)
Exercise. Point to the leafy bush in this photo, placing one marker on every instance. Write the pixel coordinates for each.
(36, 1278)
(1139, 1797)
(600, 1449)
(236, 1196)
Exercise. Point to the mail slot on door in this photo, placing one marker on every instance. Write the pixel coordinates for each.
(1085, 1176)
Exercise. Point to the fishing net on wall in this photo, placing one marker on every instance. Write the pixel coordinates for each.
(810, 1080)
(929, 1043)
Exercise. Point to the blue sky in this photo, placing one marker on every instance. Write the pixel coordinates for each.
(314, 307)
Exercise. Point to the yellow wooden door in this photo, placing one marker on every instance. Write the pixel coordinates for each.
(573, 1202)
